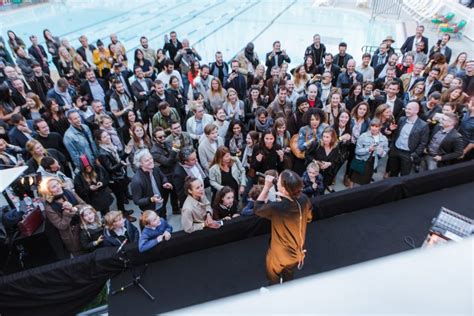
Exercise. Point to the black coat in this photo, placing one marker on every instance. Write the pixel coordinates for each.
(142, 190)
(451, 148)
(114, 168)
(407, 46)
(165, 157)
(418, 138)
(85, 90)
(100, 199)
(270, 61)
(81, 51)
(112, 240)
(436, 86)
(398, 109)
(88, 236)
(270, 159)
(142, 99)
(335, 70)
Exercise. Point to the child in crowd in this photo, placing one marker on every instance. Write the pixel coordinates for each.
(253, 195)
(272, 197)
(225, 205)
(118, 229)
(155, 230)
(91, 228)
(312, 181)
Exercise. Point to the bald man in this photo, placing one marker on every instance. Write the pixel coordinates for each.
(410, 140)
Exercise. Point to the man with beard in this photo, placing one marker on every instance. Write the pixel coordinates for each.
(142, 88)
(120, 101)
(166, 157)
(19, 92)
(81, 107)
(166, 74)
(342, 58)
(419, 55)
(381, 70)
(281, 106)
(276, 57)
(274, 83)
(165, 116)
(40, 83)
(432, 83)
(122, 74)
(202, 82)
(380, 56)
(248, 62)
(148, 52)
(412, 41)
(219, 68)
(329, 66)
(93, 88)
(159, 95)
(316, 50)
(114, 40)
(389, 77)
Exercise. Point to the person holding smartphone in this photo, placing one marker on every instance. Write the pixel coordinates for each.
(276, 57)
(289, 216)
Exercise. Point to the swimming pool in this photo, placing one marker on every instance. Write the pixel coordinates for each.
(210, 25)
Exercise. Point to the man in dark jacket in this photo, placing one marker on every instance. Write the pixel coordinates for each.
(276, 57)
(39, 53)
(236, 80)
(409, 142)
(342, 58)
(410, 43)
(41, 83)
(446, 144)
(149, 183)
(348, 78)
(172, 47)
(329, 66)
(166, 157)
(316, 50)
(93, 88)
(142, 88)
(432, 83)
(86, 51)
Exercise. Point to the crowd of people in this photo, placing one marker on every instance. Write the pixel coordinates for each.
(168, 127)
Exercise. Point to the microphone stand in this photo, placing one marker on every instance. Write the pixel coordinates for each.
(136, 277)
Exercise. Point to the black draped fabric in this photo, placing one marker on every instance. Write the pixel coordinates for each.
(65, 287)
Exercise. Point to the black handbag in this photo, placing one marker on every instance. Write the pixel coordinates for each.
(358, 165)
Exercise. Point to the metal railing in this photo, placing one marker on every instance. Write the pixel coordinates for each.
(386, 8)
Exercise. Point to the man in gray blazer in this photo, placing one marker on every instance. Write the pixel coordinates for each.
(411, 138)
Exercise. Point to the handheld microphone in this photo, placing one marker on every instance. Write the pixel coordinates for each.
(121, 245)
(262, 175)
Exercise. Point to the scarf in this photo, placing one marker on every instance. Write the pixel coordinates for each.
(111, 149)
(246, 156)
(235, 144)
(115, 138)
(263, 127)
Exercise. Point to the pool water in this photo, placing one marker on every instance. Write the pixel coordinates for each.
(210, 25)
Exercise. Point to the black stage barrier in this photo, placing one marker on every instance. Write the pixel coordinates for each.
(69, 284)
(331, 243)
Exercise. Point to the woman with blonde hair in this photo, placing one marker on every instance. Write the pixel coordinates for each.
(38, 152)
(62, 213)
(216, 94)
(300, 79)
(65, 63)
(334, 106)
(416, 93)
(234, 108)
(80, 66)
(92, 228)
